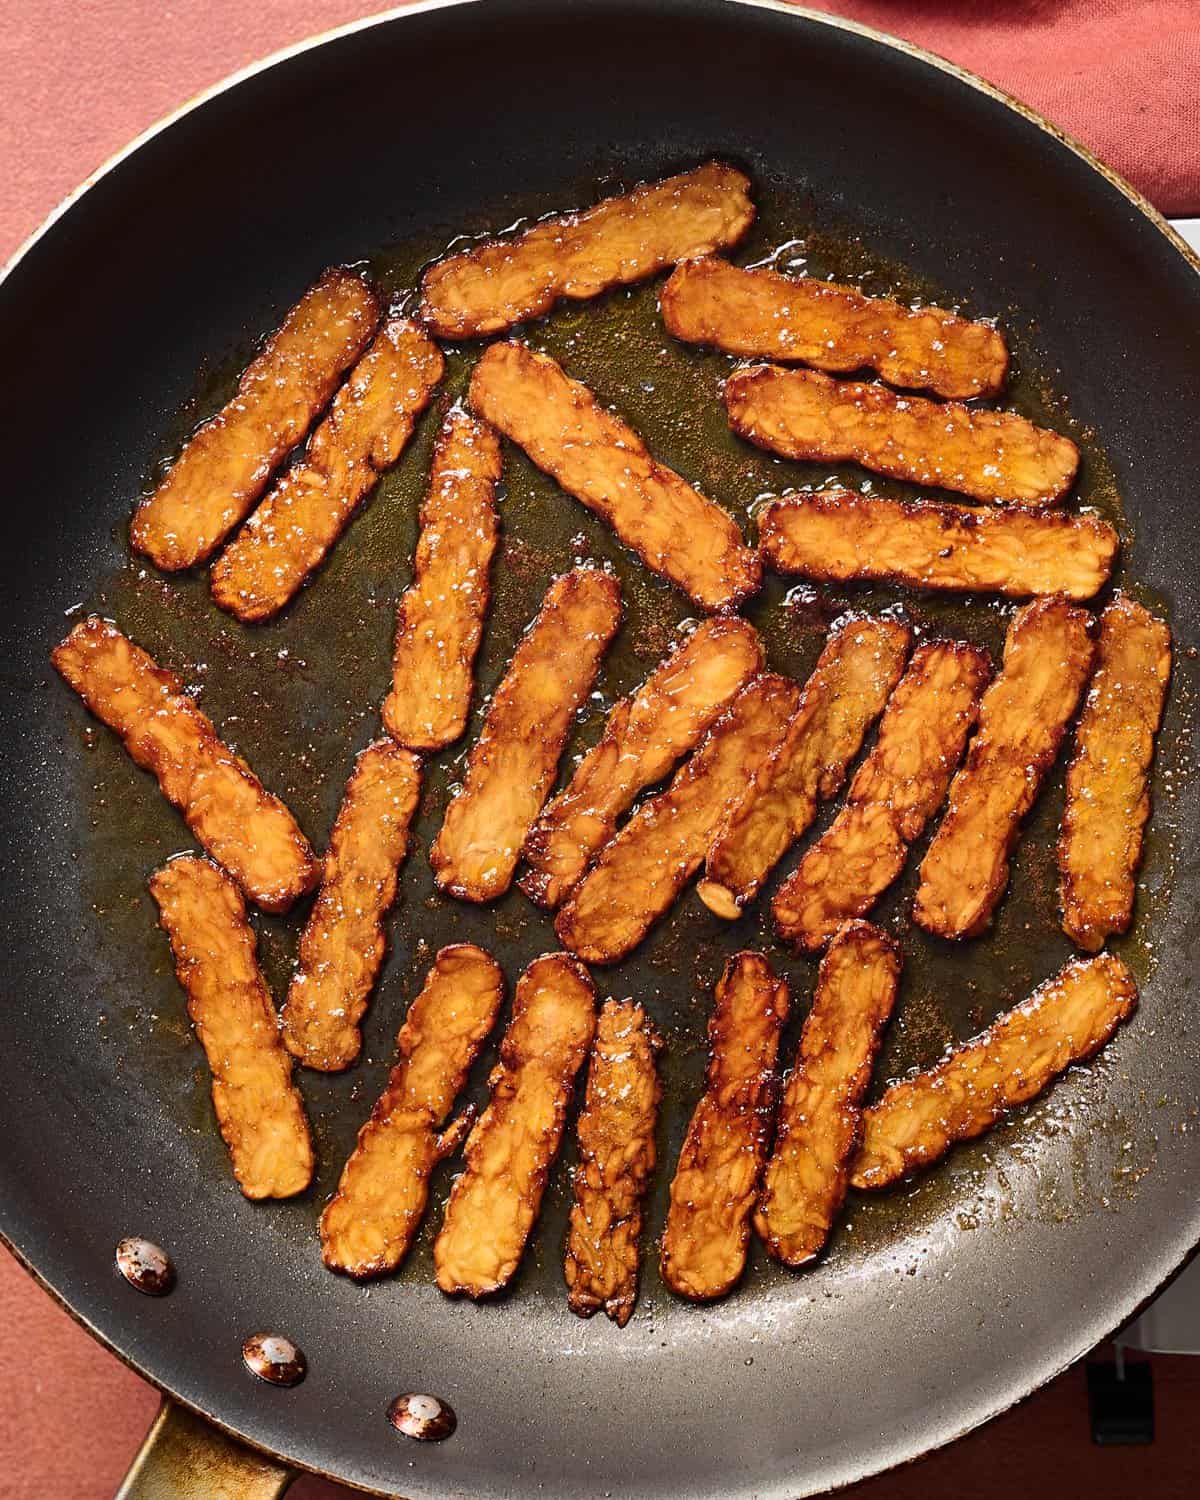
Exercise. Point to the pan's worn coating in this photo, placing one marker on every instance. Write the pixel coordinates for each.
(949, 1298)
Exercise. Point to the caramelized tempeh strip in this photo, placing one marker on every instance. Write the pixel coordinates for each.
(1022, 719)
(297, 525)
(643, 869)
(1066, 1020)
(820, 1114)
(616, 1158)
(644, 737)
(259, 1110)
(1108, 785)
(764, 315)
(512, 764)
(842, 537)
(715, 1183)
(439, 623)
(580, 255)
(855, 672)
(370, 1222)
(243, 827)
(991, 455)
(595, 456)
(215, 482)
(495, 1201)
(343, 944)
(895, 792)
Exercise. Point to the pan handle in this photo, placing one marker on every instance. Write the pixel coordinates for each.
(186, 1458)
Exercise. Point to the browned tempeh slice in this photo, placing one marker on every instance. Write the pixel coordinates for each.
(645, 735)
(1023, 716)
(243, 827)
(842, 537)
(580, 255)
(495, 1201)
(895, 792)
(596, 457)
(370, 1222)
(1065, 1021)
(716, 1180)
(1108, 785)
(215, 482)
(820, 1114)
(308, 508)
(513, 763)
(259, 1109)
(991, 455)
(642, 870)
(343, 944)
(440, 619)
(616, 1158)
(768, 316)
(855, 672)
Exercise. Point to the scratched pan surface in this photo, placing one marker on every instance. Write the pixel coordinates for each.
(937, 1305)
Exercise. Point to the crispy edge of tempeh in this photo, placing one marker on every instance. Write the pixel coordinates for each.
(1108, 783)
(439, 620)
(513, 763)
(301, 518)
(839, 537)
(616, 1158)
(641, 871)
(717, 1177)
(1023, 716)
(496, 1199)
(759, 313)
(895, 792)
(1065, 1021)
(594, 455)
(343, 943)
(368, 1226)
(621, 240)
(820, 1113)
(249, 832)
(991, 455)
(644, 736)
(227, 462)
(259, 1109)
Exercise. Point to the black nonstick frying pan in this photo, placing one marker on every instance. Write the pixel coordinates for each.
(126, 320)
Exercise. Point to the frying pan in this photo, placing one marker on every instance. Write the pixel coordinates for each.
(937, 1306)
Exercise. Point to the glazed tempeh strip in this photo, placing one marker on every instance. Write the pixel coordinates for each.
(580, 255)
(1023, 716)
(243, 827)
(513, 763)
(439, 623)
(214, 483)
(895, 792)
(370, 1222)
(644, 736)
(642, 870)
(342, 946)
(841, 537)
(716, 1181)
(1065, 1021)
(990, 455)
(308, 508)
(495, 1201)
(595, 456)
(820, 1114)
(259, 1109)
(1108, 785)
(616, 1159)
(855, 672)
(764, 315)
